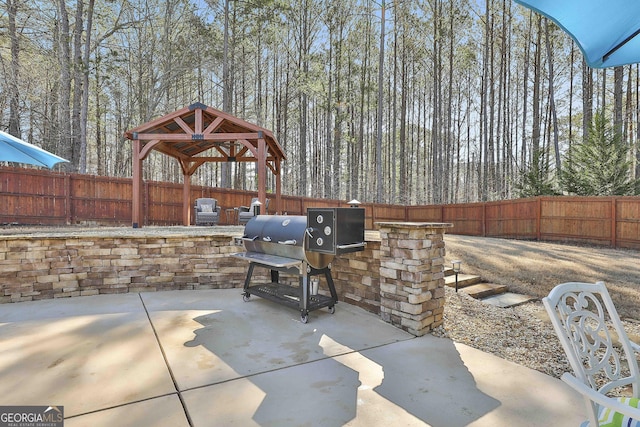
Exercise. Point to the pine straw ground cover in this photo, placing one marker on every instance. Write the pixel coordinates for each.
(523, 334)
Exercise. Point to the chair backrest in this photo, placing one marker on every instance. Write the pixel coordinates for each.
(206, 201)
(583, 317)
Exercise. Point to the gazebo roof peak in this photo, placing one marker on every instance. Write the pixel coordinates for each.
(197, 128)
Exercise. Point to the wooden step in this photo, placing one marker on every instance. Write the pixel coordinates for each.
(483, 290)
(473, 285)
(464, 280)
(448, 271)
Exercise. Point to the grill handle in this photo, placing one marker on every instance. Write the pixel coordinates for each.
(351, 246)
(292, 242)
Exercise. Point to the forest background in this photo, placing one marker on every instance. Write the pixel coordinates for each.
(405, 102)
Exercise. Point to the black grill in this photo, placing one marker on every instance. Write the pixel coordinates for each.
(303, 246)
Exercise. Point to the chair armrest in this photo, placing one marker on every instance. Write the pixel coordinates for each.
(244, 209)
(635, 347)
(600, 398)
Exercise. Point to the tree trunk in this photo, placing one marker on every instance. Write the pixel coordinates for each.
(587, 99)
(537, 66)
(100, 144)
(436, 132)
(571, 76)
(77, 71)
(13, 90)
(628, 113)
(378, 159)
(329, 113)
(617, 99)
(84, 111)
(225, 181)
(552, 102)
(525, 92)
(340, 111)
(64, 60)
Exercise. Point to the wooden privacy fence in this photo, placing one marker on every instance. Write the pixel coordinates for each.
(33, 196)
(607, 221)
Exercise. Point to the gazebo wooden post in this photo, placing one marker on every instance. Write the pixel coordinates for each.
(262, 171)
(278, 206)
(186, 199)
(136, 202)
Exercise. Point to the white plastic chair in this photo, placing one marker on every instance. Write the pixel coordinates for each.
(579, 312)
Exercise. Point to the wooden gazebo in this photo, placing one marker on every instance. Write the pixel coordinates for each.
(198, 134)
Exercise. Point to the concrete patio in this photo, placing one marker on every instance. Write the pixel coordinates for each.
(206, 358)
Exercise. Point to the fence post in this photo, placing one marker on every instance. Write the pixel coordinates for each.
(146, 204)
(68, 198)
(373, 213)
(538, 218)
(614, 225)
(484, 219)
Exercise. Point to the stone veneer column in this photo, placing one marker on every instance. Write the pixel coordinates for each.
(412, 275)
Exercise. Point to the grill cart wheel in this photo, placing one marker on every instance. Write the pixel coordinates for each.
(304, 318)
(332, 309)
(246, 296)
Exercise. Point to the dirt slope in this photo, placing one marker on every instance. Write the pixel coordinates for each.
(534, 268)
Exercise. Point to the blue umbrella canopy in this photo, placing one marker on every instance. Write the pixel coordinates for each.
(606, 31)
(16, 150)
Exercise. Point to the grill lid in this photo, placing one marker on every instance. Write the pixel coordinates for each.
(282, 235)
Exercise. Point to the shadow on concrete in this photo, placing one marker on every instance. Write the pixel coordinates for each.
(428, 378)
(329, 372)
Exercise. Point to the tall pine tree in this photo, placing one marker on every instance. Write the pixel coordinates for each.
(601, 165)
(538, 179)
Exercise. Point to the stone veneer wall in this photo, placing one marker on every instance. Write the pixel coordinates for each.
(357, 277)
(57, 267)
(34, 268)
(412, 293)
(399, 276)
